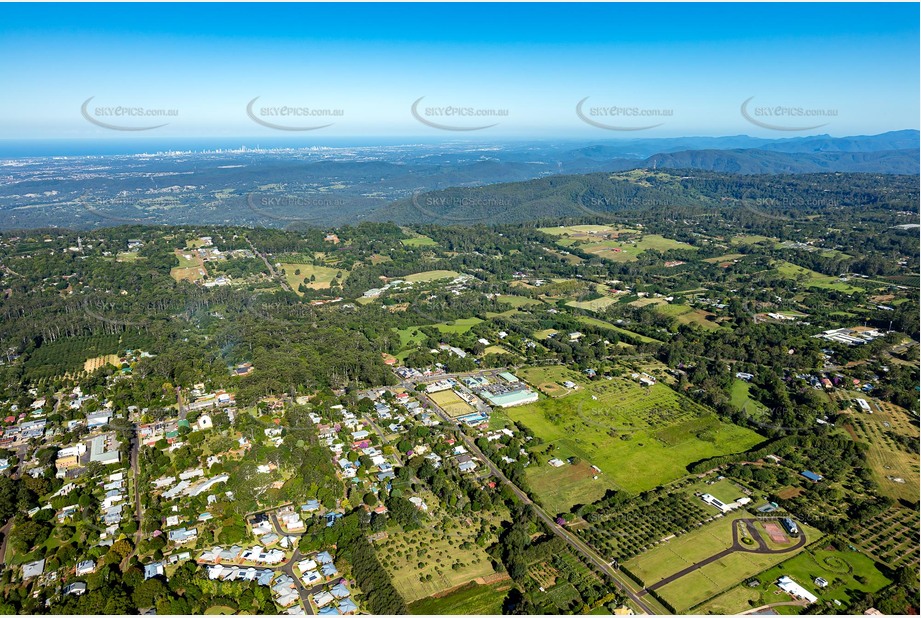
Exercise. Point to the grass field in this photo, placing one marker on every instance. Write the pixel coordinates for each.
(812, 278)
(604, 241)
(890, 460)
(683, 551)
(724, 258)
(597, 304)
(839, 568)
(450, 402)
(419, 241)
(724, 490)
(549, 379)
(582, 231)
(734, 601)
(411, 557)
(498, 349)
(711, 579)
(750, 239)
(617, 329)
(716, 577)
(628, 251)
(458, 326)
(560, 488)
(473, 599)
(127, 256)
(688, 315)
(627, 430)
(431, 275)
(410, 336)
(518, 301)
(191, 267)
(648, 300)
(323, 275)
(739, 397)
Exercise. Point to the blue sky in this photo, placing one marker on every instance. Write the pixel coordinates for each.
(692, 65)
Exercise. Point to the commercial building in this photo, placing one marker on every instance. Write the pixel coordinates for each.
(792, 588)
(512, 398)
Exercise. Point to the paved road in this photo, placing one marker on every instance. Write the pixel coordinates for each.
(736, 546)
(384, 441)
(272, 271)
(620, 581)
(135, 469)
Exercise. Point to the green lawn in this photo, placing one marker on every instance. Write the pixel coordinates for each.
(418, 241)
(458, 326)
(617, 329)
(687, 315)
(431, 275)
(473, 599)
(322, 275)
(716, 577)
(683, 551)
(592, 239)
(724, 491)
(839, 568)
(734, 601)
(740, 398)
(812, 278)
(626, 430)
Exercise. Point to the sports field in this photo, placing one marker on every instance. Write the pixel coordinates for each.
(450, 402)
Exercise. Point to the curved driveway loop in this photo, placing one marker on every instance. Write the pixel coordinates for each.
(736, 546)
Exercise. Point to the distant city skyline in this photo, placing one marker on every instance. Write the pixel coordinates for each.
(447, 72)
